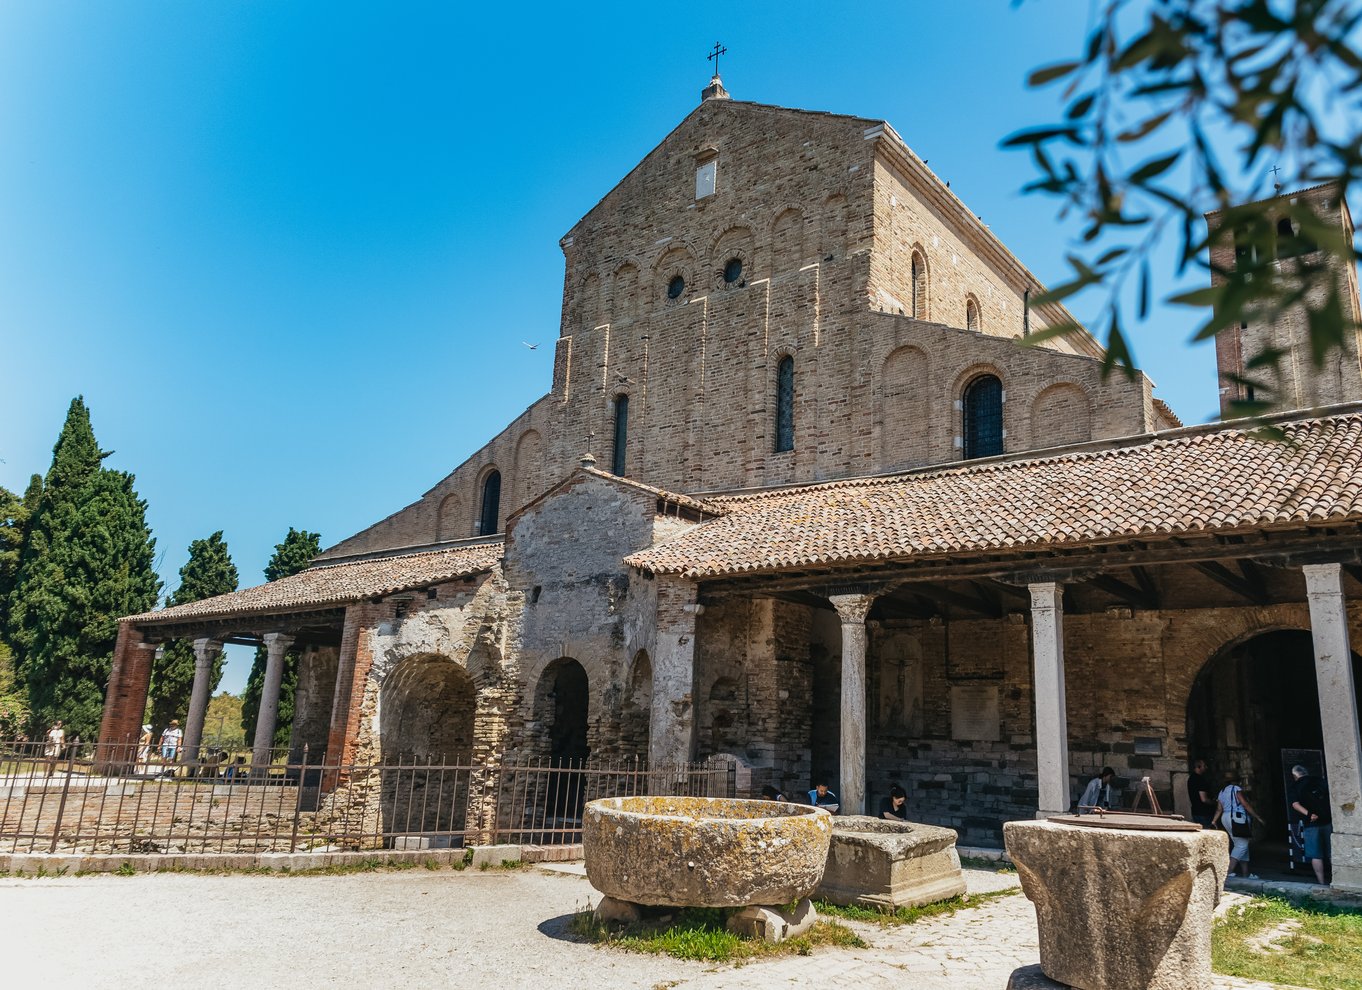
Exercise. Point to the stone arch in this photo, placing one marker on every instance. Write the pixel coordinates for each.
(959, 389)
(427, 713)
(529, 463)
(787, 242)
(1061, 414)
(450, 523)
(1255, 699)
(973, 314)
(489, 502)
(676, 261)
(589, 301)
(625, 292)
(833, 239)
(636, 707)
(725, 717)
(905, 406)
(919, 284)
(562, 704)
(735, 243)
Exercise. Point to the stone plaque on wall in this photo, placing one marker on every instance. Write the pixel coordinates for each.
(974, 713)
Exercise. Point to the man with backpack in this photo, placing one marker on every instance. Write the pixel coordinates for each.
(1310, 799)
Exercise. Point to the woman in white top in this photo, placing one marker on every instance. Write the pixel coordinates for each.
(1234, 810)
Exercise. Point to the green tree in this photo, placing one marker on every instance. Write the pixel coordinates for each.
(86, 560)
(97, 568)
(13, 700)
(290, 557)
(1176, 108)
(222, 725)
(15, 512)
(209, 571)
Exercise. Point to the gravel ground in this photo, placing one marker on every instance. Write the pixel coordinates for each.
(420, 928)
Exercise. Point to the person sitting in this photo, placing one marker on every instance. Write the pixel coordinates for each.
(770, 793)
(895, 806)
(1098, 792)
(821, 797)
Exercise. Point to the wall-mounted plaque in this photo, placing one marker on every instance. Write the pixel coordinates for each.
(974, 713)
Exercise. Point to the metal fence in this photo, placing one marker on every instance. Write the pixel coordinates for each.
(115, 800)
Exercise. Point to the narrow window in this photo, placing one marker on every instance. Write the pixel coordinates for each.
(705, 178)
(675, 287)
(971, 315)
(621, 434)
(919, 276)
(785, 405)
(983, 408)
(491, 504)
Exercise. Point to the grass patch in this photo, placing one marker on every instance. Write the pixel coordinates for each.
(700, 934)
(908, 915)
(1277, 941)
(983, 863)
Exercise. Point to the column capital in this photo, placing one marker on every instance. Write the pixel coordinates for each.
(206, 650)
(1046, 594)
(1323, 579)
(852, 609)
(278, 641)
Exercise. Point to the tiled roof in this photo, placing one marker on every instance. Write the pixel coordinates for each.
(337, 584)
(707, 506)
(1189, 480)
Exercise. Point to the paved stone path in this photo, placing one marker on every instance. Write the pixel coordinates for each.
(419, 928)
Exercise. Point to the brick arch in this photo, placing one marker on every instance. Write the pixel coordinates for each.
(919, 283)
(529, 468)
(974, 313)
(625, 287)
(479, 493)
(834, 235)
(562, 707)
(1061, 414)
(905, 408)
(589, 312)
(735, 242)
(636, 706)
(675, 259)
(787, 238)
(450, 523)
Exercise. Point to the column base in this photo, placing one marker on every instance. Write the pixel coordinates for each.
(1346, 857)
(1032, 978)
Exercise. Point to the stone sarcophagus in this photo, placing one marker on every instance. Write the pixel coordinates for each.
(1120, 907)
(874, 862)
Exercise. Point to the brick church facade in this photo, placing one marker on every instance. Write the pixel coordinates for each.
(799, 499)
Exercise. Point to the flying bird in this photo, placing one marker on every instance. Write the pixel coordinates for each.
(533, 347)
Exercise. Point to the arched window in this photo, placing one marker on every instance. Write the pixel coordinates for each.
(971, 315)
(919, 276)
(785, 405)
(621, 434)
(983, 407)
(491, 504)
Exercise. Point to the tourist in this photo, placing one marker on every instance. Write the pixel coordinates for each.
(1310, 798)
(171, 739)
(821, 797)
(772, 793)
(1199, 794)
(1098, 792)
(895, 806)
(56, 745)
(144, 746)
(1235, 815)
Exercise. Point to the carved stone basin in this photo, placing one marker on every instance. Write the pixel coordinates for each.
(704, 852)
(874, 862)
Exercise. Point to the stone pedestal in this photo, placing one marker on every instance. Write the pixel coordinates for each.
(1121, 909)
(873, 862)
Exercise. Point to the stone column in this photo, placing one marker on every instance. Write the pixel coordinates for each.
(1338, 715)
(852, 610)
(125, 702)
(276, 645)
(1052, 727)
(205, 652)
(671, 732)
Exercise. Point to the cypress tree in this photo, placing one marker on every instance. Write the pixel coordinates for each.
(86, 560)
(15, 512)
(96, 568)
(209, 571)
(290, 557)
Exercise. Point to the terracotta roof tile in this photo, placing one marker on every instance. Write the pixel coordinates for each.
(337, 584)
(1183, 481)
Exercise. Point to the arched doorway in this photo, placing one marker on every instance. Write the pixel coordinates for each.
(564, 698)
(637, 707)
(1254, 702)
(426, 713)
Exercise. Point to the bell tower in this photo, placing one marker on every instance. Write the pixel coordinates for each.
(1277, 240)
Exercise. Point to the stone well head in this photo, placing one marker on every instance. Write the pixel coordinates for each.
(704, 852)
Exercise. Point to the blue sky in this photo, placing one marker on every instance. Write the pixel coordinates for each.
(288, 250)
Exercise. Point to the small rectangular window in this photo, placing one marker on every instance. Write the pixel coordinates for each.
(705, 178)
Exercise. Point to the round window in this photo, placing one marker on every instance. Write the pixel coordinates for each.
(733, 271)
(675, 287)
